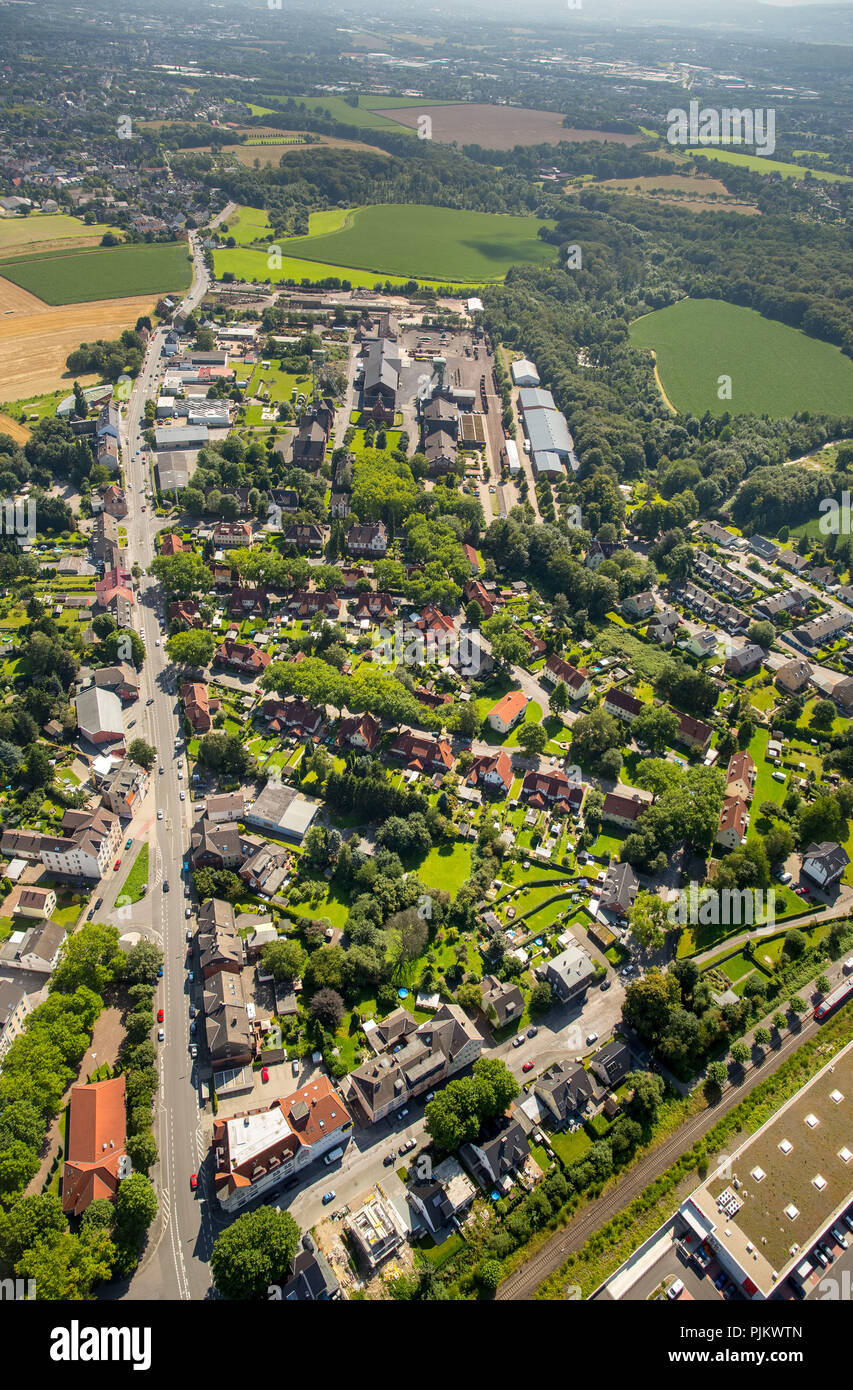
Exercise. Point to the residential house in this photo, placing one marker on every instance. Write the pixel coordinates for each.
(374, 607)
(360, 732)
(624, 811)
(763, 548)
(122, 679)
(255, 1152)
(185, 612)
(821, 632)
(304, 536)
(575, 679)
(422, 754)
(220, 945)
(622, 705)
(305, 603)
(15, 1005)
(570, 974)
(612, 1064)
(124, 789)
(417, 1060)
(439, 1203)
(220, 846)
(565, 1089)
(85, 851)
(242, 656)
(639, 606)
(232, 535)
(229, 806)
(825, 862)
(619, 890)
(740, 777)
(694, 733)
(227, 1021)
(309, 445)
(114, 501)
(492, 772)
(248, 601)
(552, 789)
(197, 706)
(21, 844)
(494, 1162)
(369, 538)
(171, 544)
(41, 948)
(734, 819)
(36, 902)
(509, 710)
(793, 676)
(502, 1001)
(790, 560)
(745, 661)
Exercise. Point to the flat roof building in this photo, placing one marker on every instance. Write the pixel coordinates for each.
(763, 1209)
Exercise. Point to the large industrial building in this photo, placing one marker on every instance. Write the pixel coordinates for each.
(764, 1208)
(547, 431)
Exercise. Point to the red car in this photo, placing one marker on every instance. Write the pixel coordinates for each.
(265, 1073)
(528, 1066)
(193, 1181)
(117, 864)
(160, 1015)
(143, 508)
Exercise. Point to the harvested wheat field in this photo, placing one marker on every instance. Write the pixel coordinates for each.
(499, 127)
(35, 338)
(272, 154)
(14, 429)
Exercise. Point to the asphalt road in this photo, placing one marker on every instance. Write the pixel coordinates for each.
(176, 1266)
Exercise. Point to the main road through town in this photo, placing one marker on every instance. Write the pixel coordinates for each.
(176, 1263)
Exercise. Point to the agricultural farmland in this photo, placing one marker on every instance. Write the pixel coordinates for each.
(497, 127)
(774, 370)
(19, 236)
(75, 277)
(440, 243)
(35, 339)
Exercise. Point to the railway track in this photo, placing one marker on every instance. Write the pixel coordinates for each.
(524, 1282)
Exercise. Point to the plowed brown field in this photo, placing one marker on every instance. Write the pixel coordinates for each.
(35, 338)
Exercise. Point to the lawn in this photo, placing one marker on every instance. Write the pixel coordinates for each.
(414, 240)
(446, 866)
(774, 370)
(77, 277)
(137, 878)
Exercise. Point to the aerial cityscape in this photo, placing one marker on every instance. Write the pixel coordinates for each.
(426, 657)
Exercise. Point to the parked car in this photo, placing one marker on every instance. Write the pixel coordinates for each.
(675, 1290)
(128, 842)
(388, 1160)
(531, 1032)
(188, 913)
(192, 1010)
(161, 1035)
(265, 1074)
(407, 1147)
(193, 1050)
(528, 1066)
(404, 1112)
(839, 1237)
(519, 1041)
(848, 1220)
(193, 1181)
(161, 1014)
(591, 1038)
(295, 1068)
(117, 864)
(605, 984)
(329, 1197)
(189, 931)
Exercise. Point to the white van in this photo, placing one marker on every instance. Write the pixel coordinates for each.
(335, 1156)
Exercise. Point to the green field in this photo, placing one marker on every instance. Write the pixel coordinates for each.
(16, 232)
(76, 277)
(757, 164)
(775, 370)
(413, 240)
